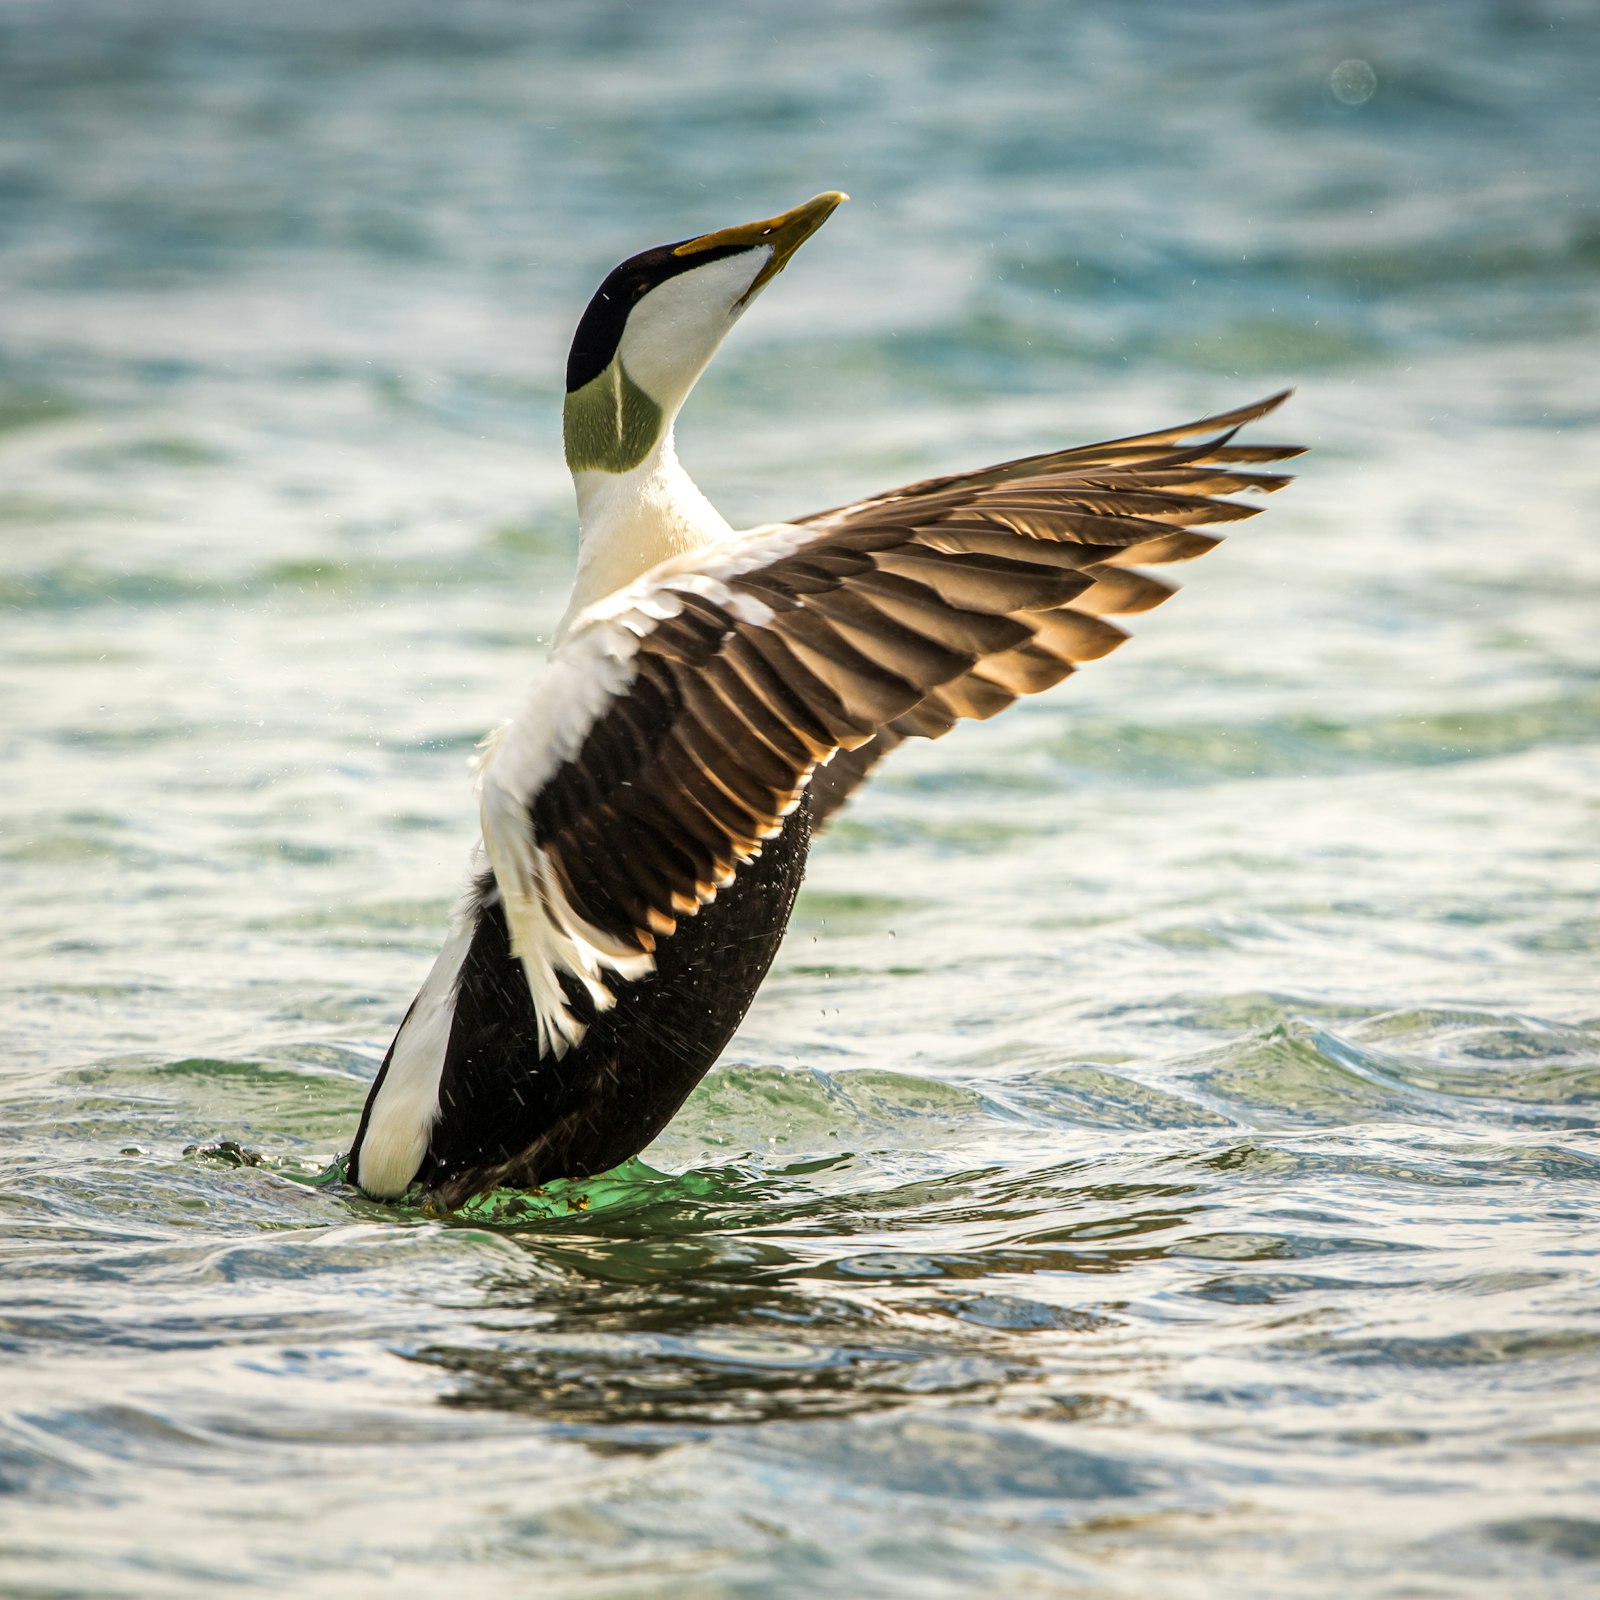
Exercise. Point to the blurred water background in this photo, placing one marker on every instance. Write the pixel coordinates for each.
(1163, 1160)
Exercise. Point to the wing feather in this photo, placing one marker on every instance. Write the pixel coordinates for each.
(682, 719)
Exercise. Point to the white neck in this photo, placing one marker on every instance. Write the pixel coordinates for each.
(629, 521)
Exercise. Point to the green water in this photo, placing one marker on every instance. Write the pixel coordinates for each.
(1164, 1158)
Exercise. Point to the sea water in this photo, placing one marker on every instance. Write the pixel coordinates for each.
(1163, 1159)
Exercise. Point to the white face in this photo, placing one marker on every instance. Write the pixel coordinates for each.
(672, 333)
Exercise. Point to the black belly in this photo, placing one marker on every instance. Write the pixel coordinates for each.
(508, 1115)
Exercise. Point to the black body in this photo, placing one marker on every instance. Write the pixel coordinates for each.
(508, 1116)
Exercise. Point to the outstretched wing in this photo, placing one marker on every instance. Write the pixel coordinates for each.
(1170, 477)
(682, 718)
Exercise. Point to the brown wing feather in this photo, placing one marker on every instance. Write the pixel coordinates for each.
(1132, 456)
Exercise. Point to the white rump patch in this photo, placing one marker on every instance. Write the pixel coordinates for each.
(407, 1105)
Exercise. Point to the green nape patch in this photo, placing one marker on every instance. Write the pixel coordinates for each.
(610, 424)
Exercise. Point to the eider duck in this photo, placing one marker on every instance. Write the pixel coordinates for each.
(711, 697)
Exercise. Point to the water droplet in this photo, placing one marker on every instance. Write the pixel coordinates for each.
(1353, 83)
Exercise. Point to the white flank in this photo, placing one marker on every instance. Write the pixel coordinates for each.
(407, 1105)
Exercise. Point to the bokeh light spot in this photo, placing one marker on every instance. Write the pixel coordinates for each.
(1353, 83)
